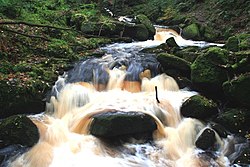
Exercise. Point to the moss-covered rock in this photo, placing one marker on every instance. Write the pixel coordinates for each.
(206, 71)
(210, 34)
(192, 32)
(199, 107)
(189, 53)
(238, 42)
(171, 62)
(238, 90)
(235, 120)
(143, 19)
(241, 62)
(171, 42)
(116, 124)
(18, 129)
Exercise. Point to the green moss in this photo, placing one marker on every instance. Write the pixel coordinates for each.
(192, 32)
(206, 68)
(199, 107)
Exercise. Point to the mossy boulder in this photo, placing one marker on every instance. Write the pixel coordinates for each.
(235, 120)
(171, 42)
(192, 32)
(210, 34)
(206, 140)
(18, 129)
(143, 19)
(238, 42)
(238, 90)
(172, 62)
(207, 72)
(188, 53)
(241, 63)
(116, 124)
(199, 107)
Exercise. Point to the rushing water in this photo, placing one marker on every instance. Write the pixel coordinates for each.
(122, 80)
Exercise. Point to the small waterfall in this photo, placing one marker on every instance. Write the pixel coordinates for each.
(122, 80)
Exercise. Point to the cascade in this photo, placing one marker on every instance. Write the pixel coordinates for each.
(124, 80)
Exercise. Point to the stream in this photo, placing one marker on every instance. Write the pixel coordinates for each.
(124, 79)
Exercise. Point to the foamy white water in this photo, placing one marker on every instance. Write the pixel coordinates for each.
(64, 128)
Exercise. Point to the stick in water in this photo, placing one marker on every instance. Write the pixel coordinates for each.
(156, 95)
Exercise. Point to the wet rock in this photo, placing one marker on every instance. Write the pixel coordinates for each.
(192, 32)
(221, 131)
(171, 42)
(116, 124)
(238, 90)
(18, 129)
(171, 62)
(199, 107)
(158, 49)
(235, 120)
(206, 140)
(207, 72)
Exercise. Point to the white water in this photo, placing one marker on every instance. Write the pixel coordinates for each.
(64, 129)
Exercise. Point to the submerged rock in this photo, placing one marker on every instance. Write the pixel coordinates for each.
(199, 107)
(116, 124)
(206, 140)
(18, 129)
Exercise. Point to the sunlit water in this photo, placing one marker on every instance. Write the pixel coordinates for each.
(122, 80)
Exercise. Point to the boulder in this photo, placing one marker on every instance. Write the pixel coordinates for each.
(199, 107)
(118, 123)
(189, 53)
(171, 42)
(206, 140)
(191, 32)
(235, 120)
(238, 42)
(18, 129)
(207, 71)
(143, 19)
(241, 62)
(172, 62)
(238, 90)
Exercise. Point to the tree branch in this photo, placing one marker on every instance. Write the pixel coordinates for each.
(27, 35)
(33, 25)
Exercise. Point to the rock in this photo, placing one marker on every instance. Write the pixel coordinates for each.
(199, 107)
(238, 42)
(238, 90)
(207, 73)
(192, 32)
(210, 34)
(221, 131)
(171, 42)
(235, 120)
(141, 32)
(206, 140)
(241, 63)
(171, 62)
(156, 50)
(189, 53)
(143, 19)
(116, 124)
(18, 129)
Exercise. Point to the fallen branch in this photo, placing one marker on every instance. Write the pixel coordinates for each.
(33, 25)
(27, 35)
(156, 95)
